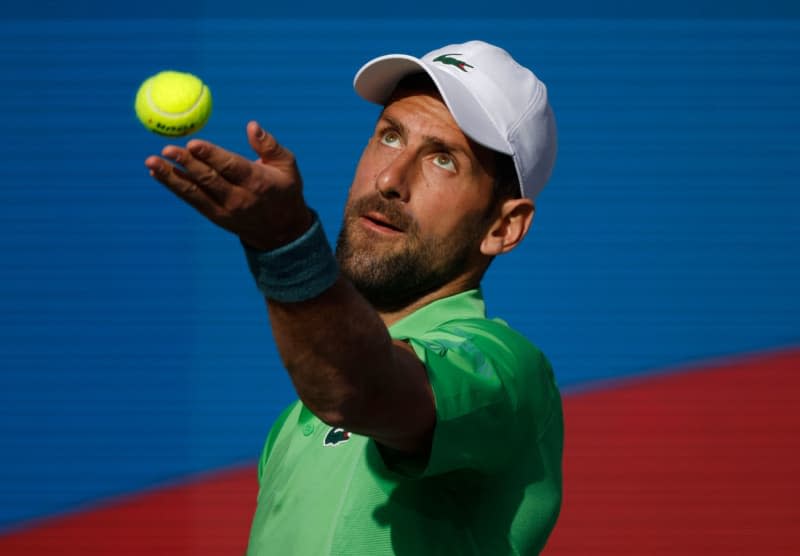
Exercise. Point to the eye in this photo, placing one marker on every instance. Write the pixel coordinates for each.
(445, 161)
(390, 138)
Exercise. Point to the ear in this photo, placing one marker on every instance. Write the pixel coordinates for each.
(510, 226)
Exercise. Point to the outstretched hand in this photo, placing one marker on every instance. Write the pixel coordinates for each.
(261, 201)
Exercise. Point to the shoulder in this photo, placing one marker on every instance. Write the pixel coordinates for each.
(494, 357)
(490, 339)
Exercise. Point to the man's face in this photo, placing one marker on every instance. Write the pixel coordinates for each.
(417, 208)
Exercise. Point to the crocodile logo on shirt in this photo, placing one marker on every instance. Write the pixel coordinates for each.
(335, 437)
(448, 60)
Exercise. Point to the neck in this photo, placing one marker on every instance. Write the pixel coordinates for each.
(453, 287)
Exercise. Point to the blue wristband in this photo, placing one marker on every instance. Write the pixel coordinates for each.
(297, 271)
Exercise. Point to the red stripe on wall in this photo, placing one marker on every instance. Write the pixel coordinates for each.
(697, 463)
(693, 463)
(209, 516)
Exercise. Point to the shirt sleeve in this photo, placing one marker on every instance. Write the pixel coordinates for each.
(480, 378)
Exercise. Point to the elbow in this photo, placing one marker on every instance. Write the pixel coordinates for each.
(338, 413)
(335, 402)
(331, 417)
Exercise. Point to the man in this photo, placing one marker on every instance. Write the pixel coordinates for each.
(422, 426)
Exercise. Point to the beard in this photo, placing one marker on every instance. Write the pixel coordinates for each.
(393, 273)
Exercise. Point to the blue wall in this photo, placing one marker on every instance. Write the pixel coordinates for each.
(134, 347)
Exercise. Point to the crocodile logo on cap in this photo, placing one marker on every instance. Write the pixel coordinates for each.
(448, 60)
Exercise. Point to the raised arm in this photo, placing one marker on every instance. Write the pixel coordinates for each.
(337, 350)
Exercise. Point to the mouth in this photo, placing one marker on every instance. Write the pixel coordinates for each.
(378, 222)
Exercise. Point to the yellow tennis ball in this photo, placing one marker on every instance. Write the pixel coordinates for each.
(173, 103)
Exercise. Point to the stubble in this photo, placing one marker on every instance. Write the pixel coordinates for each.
(392, 273)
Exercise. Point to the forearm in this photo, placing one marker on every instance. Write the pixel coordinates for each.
(332, 347)
(348, 371)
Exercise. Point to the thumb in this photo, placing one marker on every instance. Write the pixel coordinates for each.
(266, 146)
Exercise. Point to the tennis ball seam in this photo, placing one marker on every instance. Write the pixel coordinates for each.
(161, 112)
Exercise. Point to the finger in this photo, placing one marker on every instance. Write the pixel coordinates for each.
(266, 146)
(235, 169)
(208, 178)
(181, 185)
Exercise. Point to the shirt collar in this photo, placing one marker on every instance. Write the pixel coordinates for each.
(465, 305)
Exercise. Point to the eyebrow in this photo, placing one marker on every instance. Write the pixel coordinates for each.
(431, 140)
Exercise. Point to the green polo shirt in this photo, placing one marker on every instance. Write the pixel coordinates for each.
(492, 483)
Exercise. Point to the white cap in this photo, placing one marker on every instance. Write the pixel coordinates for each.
(495, 101)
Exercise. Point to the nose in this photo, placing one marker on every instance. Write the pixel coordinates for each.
(393, 181)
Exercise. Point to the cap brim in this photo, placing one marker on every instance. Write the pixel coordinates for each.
(377, 79)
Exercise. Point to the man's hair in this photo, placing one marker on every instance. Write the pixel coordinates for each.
(506, 182)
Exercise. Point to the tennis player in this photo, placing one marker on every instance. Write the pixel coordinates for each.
(422, 426)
